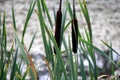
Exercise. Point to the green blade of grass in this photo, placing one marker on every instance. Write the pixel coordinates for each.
(91, 52)
(21, 48)
(4, 36)
(32, 40)
(67, 25)
(111, 56)
(48, 48)
(82, 68)
(0, 29)
(3, 48)
(27, 19)
(25, 58)
(67, 53)
(51, 58)
(13, 16)
(54, 11)
(18, 70)
(71, 62)
(82, 47)
(89, 37)
(69, 8)
(86, 55)
(63, 25)
(42, 25)
(47, 12)
(86, 15)
(12, 75)
(97, 49)
(43, 7)
(110, 48)
(76, 66)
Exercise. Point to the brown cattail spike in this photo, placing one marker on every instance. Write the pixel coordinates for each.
(58, 26)
(74, 31)
(75, 35)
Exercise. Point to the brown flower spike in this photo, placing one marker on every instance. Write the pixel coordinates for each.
(58, 26)
(74, 31)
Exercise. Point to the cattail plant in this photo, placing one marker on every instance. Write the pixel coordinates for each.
(74, 30)
(58, 26)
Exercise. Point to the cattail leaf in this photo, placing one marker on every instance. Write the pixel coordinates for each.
(63, 25)
(87, 18)
(97, 49)
(32, 40)
(67, 25)
(82, 68)
(54, 11)
(32, 5)
(43, 7)
(42, 26)
(71, 62)
(12, 75)
(26, 72)
(13, 17)
(111, 56)
(47, 12)
(25, 58)
(69, 9)
(4, 35)
(111, 48)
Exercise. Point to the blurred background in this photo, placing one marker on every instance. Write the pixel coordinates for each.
(104, 16)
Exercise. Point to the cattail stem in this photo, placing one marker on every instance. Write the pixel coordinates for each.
(58, 26)
(74, 14)
(74, 31)
(60, 5)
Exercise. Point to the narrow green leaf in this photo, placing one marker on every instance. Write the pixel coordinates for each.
(97, 49)
(63, 25)
(47, 12)
(14, 66)
(110, 48)
(54, 13)
(25, 58)
(69, 9)
(13, 17)
(67, 25)
(27, 19)
(42, 25)
(4, 36)
(71, 61)
(26, 72)
(86, 16)
(111, 56)
(32, 40)
(82, 68)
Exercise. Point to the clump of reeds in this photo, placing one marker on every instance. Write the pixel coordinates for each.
(12, 61)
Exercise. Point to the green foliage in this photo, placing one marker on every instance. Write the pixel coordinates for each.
(12, 61)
